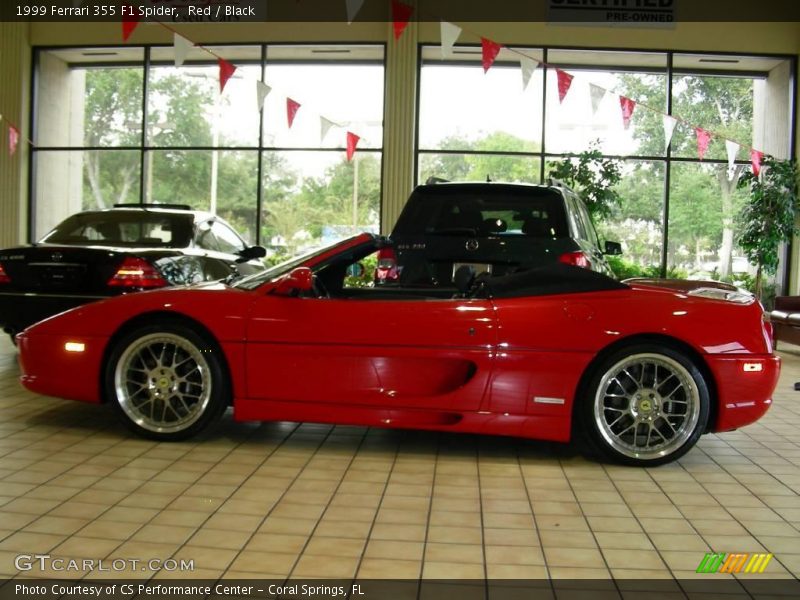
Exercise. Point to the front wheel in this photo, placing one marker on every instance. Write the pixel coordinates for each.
(645, 405)
(167, 382)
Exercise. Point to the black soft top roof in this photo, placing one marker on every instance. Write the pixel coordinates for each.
(550, 280)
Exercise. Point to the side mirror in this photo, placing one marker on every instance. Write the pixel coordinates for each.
(613, 249)
(250, 253)
(295, 281)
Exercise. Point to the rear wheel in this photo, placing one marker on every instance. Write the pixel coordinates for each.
(167, 382)
(645, 405)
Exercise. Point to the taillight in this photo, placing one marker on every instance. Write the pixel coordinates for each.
(576, 259)
(137, 272)
(4, 278)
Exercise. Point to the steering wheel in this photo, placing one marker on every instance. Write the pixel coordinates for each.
(478, 285)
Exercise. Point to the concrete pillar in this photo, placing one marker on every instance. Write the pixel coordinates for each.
(399, 123)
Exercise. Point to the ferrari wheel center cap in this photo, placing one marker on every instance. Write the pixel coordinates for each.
(646, 404)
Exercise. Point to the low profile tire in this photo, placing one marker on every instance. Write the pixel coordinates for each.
(167, 382)
(644, 405)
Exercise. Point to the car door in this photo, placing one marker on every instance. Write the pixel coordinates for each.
(374, 350)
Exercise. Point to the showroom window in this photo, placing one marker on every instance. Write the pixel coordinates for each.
(678, 213)
(124, 125)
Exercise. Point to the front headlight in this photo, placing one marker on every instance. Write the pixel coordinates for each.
(738, 296)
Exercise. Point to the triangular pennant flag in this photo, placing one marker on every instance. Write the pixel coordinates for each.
(353, 6)
(262, 91)
(449, 35)
(181, 47)
(703, 139)
(732, 148)
(401, 14)
(527, 65)
(226, 71)
(627, 105)
(669, 124)
(755, 161)
(564, 83)
(13, 139)
(489, 50)
(291, 110)
(596, 93)
(130, 20)
(352, 142)
(324, 127)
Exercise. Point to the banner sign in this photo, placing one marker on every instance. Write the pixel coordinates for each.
(641, 13)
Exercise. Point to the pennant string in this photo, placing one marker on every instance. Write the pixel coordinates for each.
(405, 12)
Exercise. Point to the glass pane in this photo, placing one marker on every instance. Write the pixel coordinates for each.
(638, 222)
(70, 181)
(478, 167)
(222, 182)
(350, 96)
(704, 203)
(572, 124)
(186, 108)
(722, 105)
(463, 108)
(314, 198)
(81, 105)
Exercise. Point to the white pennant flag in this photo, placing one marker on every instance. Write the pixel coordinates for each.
(449, 36)
(324, 127)
(262, 91)
(353, 6)
(733, 150)
(669, 129)
(181, 46)
(528, 65)
(597, 94)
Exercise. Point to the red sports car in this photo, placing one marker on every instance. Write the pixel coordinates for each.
(640, 371)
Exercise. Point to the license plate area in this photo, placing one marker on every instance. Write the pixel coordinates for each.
(59, 274)
(478, 268)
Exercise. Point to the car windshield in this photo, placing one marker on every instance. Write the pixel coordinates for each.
(127, 228)
(493, 211)
(253, 281)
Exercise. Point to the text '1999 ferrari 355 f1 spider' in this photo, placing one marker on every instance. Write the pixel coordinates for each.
(639, 370)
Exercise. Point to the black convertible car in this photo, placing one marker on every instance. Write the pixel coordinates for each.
(95, 254)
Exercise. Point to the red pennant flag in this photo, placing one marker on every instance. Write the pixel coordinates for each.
(352, 142)
(703, 139)
(627, 105)
(226, 71)
(291, 110)
(13, 140)
(490, 51)
(130, 20)
(401, 14)
(564, 82)
(755, 161)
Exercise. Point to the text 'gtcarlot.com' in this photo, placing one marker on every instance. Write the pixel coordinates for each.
(45, 562)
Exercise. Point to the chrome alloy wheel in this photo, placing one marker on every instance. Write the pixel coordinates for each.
(162, 382)
(647, 406)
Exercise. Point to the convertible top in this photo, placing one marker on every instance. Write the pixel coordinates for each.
(549, 280)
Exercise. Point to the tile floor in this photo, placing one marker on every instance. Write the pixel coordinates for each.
(303, 500)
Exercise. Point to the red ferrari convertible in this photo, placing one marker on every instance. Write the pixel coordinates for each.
(640, 371)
